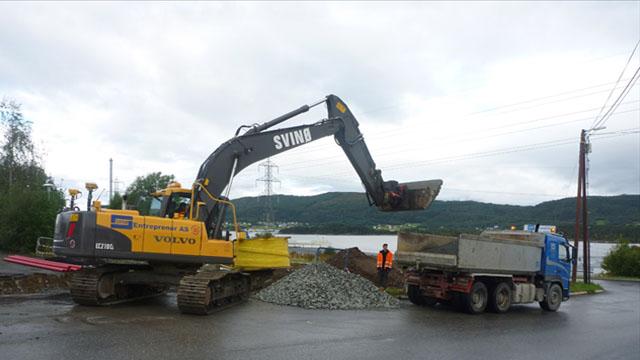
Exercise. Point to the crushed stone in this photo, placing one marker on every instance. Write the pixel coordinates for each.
(322, 286)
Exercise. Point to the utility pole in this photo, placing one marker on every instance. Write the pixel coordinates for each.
(110, 180)
(268, 179)
(582, 211)
(576, 232)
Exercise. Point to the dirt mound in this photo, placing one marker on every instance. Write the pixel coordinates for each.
(364, 265)
(32, 283)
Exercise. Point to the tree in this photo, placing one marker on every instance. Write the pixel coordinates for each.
(116, 201)
(18, 159)
(623, 260)
(27, 208)
(142, 186)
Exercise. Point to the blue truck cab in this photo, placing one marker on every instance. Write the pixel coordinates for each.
(556, 261)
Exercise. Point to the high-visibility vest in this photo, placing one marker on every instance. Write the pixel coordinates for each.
(388, 261)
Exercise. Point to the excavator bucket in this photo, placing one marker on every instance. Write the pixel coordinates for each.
(262, 253)
(417, 195)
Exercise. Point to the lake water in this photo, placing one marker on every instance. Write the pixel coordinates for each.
(373, 243)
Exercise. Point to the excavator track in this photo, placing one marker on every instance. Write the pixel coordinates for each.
(98, 287)
(209, 291)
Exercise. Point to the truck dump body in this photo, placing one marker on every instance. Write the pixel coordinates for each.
(513, 252)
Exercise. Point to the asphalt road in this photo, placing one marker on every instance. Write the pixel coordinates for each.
(604, 326)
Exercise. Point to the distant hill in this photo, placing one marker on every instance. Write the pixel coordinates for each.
(610, 216)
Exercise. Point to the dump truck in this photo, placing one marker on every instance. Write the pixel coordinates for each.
(189, 237)
(491, 271)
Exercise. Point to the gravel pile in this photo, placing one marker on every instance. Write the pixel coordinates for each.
(322, 286)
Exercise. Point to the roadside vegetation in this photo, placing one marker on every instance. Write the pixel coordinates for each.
(589, 288)
(623, 260)
(395, 292)
(29, 201)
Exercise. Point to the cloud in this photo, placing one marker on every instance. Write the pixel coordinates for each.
(157, 87)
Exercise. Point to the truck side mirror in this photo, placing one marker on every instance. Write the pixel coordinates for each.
(574, 253)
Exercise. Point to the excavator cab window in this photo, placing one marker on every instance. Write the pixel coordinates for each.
(178, 206)
(155, 207)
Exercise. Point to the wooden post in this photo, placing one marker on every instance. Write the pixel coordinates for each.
(586, 258)
(576, 233)
(582, 214)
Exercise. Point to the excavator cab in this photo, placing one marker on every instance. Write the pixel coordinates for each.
(178, 205)
(174, 202)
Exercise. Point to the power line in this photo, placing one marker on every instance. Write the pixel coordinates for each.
(618, 132)
(621, 97)
(459, 140)
(616, 85)
(543, 145)
(319, 148)
(601, 136)
(457, 136)
(552, 102)
(497, 152)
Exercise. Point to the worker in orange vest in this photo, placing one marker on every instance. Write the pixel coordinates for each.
(384, 264)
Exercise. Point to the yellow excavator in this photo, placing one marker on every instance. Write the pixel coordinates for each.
(190, 238)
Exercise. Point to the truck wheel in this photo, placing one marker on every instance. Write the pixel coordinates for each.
(415, 295)
(476, 300)
(500, 299)
(429, 301)
(552, 298)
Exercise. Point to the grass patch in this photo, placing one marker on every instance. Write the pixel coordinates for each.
(395, 292)
(589, 288)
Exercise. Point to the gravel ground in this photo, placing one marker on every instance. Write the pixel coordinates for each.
(322, 286)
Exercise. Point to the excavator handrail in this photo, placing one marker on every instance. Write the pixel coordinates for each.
(233, 207)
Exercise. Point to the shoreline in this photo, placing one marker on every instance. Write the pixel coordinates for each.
(394, 234)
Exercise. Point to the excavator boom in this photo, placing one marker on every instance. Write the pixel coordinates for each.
(258, 143)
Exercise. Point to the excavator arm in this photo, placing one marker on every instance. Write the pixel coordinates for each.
(256, 144)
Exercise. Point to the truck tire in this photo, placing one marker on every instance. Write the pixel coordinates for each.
(475, 302)
(552, 299)
(429, 301)
(415, 295)
(500, 299)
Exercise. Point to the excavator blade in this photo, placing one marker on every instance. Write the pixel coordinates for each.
(417, 195)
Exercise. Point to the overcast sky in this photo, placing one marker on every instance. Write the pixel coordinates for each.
(489, 97)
